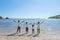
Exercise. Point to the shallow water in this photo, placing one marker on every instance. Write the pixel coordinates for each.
(50, 26)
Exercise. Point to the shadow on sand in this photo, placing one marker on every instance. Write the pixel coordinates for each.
(30, 35)
(12, 34)
(22, 34)
(35, 35)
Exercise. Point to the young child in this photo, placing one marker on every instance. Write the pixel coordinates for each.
(18, 28)
(38, 27)
(32, 28)
(26, 27)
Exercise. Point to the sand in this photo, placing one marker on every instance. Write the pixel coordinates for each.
(27, 38)
(42, 36)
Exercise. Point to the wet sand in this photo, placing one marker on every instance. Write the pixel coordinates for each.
(42, 36)
(23, 36)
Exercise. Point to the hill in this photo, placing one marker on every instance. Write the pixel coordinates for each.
(55, 17)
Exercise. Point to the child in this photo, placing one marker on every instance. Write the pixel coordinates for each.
(38, 27)
(33, 29)
(19, 28)
(26, 27)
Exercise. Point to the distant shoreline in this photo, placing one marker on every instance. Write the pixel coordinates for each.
(55, 17)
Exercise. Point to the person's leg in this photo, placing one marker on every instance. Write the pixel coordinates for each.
(38, 31)
(17, 30)
(26, 30)
(32, 31)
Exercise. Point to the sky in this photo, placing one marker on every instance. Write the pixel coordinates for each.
(29, 8)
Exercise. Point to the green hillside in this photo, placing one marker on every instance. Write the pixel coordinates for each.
(55, 17)
(1, 17)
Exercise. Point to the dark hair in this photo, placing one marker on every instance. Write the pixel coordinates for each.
(26, 22)
(38, 22)
(32, 25)
(18, 20)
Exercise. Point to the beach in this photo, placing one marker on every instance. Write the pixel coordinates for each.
(43, 36)
(29, 38)
(29, 19)
(49, 30)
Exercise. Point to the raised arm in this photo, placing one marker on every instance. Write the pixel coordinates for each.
(41, 22)
(22, 21)
(30, 23)
(14, 21)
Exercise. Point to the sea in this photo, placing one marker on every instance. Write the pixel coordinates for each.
(49, 26)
